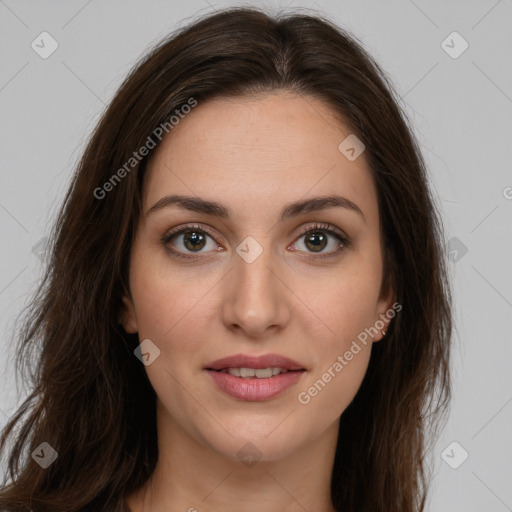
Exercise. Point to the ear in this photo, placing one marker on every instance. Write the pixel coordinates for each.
(127, 315)
(387, 308)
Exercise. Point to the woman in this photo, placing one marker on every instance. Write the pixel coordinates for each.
(247, 301)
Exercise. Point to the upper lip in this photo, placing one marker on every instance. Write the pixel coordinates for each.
(248, 361)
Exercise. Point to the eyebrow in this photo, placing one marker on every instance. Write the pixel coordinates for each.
(196, 204)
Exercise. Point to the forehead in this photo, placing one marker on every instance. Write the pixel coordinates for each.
(259, 152)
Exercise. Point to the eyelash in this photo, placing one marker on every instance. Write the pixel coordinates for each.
(325, 228)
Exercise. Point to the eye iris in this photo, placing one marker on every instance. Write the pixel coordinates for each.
(318, 241)
(197, 240)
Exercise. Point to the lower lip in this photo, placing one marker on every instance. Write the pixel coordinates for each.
(254, 389)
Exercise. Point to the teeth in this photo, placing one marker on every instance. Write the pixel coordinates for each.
(247, 372)
(260, 373)
(263, 373)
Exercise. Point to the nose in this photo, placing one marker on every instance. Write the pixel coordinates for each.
(256, 297)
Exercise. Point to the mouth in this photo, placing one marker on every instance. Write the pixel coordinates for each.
(255, 378)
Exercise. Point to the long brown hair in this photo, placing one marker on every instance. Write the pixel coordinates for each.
(92, 401)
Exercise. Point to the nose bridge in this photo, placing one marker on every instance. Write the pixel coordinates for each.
(253, 264)
(255, 300)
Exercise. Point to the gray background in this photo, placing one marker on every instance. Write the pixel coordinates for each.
(461, 108)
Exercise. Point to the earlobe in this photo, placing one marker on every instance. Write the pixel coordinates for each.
(127, 316)
(385, 313)
(381, 327)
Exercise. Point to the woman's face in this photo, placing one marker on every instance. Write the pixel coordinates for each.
(246, 281)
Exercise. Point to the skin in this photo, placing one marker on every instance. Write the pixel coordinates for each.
(253, 155)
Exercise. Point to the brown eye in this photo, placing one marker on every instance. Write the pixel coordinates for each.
(316, 241)
(194, 240)
(188, 240)
(319, 238)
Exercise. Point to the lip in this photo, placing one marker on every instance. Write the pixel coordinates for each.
(250, 361)
(254, 389)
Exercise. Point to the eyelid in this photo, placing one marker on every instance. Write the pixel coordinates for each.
(178, 229)
(321, 226)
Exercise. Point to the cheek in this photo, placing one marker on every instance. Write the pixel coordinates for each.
(342, 360)
(345, 305)
(173, 313)
(345, 311)
(330, 390)
(171, 304)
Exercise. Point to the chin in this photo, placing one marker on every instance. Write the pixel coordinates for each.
(251, 449)
(267, 440)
